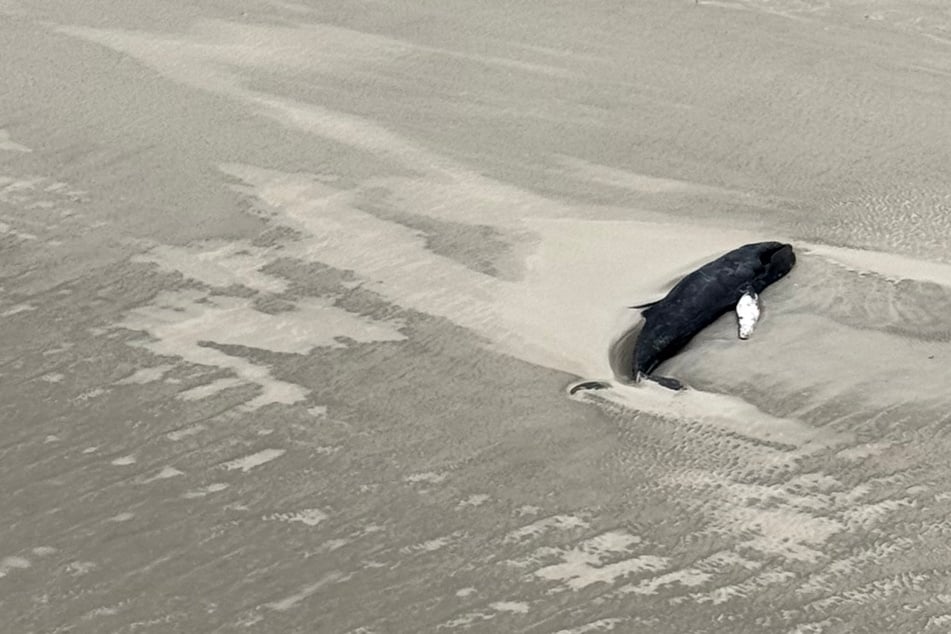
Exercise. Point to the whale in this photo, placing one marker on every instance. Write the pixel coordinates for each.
(702, 297)
(733, 281)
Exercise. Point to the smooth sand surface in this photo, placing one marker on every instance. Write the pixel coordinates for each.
(291, 294)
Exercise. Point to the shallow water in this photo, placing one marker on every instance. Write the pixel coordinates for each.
(292, 293)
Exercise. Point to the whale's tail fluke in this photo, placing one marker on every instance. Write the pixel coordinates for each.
(587, 385)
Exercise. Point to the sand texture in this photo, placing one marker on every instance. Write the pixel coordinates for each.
(291, 294)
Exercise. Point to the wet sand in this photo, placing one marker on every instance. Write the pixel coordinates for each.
(291, 294)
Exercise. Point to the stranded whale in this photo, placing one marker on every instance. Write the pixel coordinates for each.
(702, 297)
(734, 280)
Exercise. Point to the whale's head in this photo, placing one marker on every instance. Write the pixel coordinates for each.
(776, 259)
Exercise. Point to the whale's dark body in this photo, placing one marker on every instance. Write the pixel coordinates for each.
(701, 298)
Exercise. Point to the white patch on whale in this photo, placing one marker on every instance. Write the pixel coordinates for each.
(747, 314)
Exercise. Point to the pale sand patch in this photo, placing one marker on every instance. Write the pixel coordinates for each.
(580, 573)
(145, 375)
(687, 578)
(81, 568)
(517, 607)
(866, 450)
(217, 264)
(754, 585)
(9, 564)
(16, 310)
(306, 591)
(428, 477)
(600, 559)
(467, 619)
(785, 532)
(599, 625)
(180, 322)
(179, 434)
(18, 185)
(90, 394)
(254, 460)
(940, 621)
(544, 525)
(187, 317)
(214, 487)
(7, 145)
(166, 473)
(308, 517)
(6, 229)
(477, 499)
(708, 571)
(58, 350)
(432, 545)
(101, 611)
(217, 386)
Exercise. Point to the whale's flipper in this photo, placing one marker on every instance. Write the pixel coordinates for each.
(666, 381)
(747, 313)
(663, 381)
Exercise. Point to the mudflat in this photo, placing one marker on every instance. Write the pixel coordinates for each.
(291, 293)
